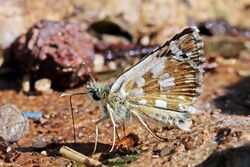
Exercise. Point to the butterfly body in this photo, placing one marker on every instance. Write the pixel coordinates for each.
(100, 92)
(161, 87)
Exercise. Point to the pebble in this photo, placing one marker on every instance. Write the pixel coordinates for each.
(98, 62)
(156, 153)
(40, 143)
(166, 151)
(43, 85)
(244, 73)
(44, 152)
(26, 83)
(13, 125)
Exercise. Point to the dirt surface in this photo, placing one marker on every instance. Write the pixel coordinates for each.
(221, 128)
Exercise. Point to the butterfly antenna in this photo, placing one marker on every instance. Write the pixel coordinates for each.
(71, 94)
(84, 67)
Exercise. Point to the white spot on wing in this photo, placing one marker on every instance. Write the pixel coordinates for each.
(176, 50)
(142, 101)
(160, 103)
(173, 47)
(179, 53)
(191, 109)
(157, 70)
(190, 80)
(202, 59)
(198, 90)
(166, 82)
(181, 97)
(182, 107)
(123, 92)
(163, 96)
(201, 51)
(196, 35)
(165, 75)
(189, 54)
(140, 82)
(136, 92)
(195, 29)
(200, 44)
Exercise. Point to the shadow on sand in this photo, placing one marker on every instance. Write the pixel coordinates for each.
(237, 99)
(232, 157)
(53, 148)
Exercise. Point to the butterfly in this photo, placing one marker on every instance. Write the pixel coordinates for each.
(161, 87)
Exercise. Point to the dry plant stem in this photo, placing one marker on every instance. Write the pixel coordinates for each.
(76, 156)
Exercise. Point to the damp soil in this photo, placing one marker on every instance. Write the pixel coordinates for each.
(220, 135)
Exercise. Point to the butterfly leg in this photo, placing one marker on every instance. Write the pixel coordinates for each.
(123, 129)
(117, 135)
(147, 127)
(110, 110)
(96, 130)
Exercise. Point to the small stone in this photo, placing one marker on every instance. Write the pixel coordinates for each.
(112, 65)
(166, 151)
(47, 116)
(145, 40)
(144, 148)
(40, 143)
(244, 73)
(26, 83)
(43, 85)
(156, 153)
(13, 125)
(44, 152)
(98, 62)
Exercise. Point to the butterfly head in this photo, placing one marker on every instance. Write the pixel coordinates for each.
(97, 90)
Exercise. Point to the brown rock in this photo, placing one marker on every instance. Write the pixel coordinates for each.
(54, 50)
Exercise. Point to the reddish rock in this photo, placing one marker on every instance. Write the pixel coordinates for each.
(54, 50)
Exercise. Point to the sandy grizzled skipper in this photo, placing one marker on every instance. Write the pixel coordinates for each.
(161, 87)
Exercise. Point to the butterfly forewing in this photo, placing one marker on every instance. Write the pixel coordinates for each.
(164, 85)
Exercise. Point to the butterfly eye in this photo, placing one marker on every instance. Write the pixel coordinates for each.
(88, 85)
(96, 95)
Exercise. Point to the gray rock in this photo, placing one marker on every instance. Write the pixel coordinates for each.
(13, 125)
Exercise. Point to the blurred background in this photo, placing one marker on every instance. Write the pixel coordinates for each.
(106, 30)
(161, 18)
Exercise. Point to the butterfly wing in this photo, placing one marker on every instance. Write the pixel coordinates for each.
(164, 85)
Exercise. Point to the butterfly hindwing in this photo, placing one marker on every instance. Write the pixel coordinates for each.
(164, 85)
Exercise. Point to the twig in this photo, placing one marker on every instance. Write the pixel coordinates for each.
(76, 156)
